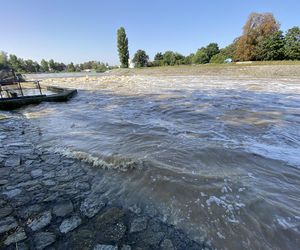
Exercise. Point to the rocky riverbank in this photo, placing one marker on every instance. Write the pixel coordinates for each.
(46, 202)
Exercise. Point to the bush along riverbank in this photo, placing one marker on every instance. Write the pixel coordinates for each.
(46, 202)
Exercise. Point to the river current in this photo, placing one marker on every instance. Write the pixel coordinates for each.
(219, 157)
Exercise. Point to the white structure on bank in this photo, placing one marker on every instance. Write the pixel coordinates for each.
(131, 64)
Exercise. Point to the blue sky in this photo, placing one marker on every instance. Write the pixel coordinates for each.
(77, 31)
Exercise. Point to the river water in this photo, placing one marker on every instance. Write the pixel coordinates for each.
(217, 156)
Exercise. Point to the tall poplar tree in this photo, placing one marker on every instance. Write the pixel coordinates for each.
(123, 47)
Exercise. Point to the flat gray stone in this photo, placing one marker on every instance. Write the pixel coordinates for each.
(17, 236)
(13, 161)
(167, 245)
(49, 183)
(29, 211)
(63, 208)
(3, 182)
(139, 224)
(91, 206)
(105, 247)
(36, 173)
(12, 193)
(70, 224)
(41, 221)
(4, 211)
(126, 247)
(43, 239)
(7, 224)
(51, 197)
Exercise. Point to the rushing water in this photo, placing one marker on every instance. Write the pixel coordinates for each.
(218, 157)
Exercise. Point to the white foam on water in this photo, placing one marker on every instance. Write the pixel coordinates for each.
(96, 161)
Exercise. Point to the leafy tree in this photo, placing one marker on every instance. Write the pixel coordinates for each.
(230, 50)
(123, 47)
(30, 66)
(292, 44)
(212, 49)
(44, 66)
(218, 58)
(71, 67)
(158, 56)
(51, 65)
(257, 27)
(189, 59)
(169, 58)
(3, 60)
(201, 56)
(140, 59)
(179, 59)
(16, 63)
(271, 47)
(158, 59)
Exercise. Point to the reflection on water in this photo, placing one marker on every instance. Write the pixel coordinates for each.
(217, 157)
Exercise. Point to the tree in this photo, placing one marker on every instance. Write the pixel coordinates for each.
(51, 65)
(140, 59)
(15, 63)
(123, 47)
(201, 56)
(158, 56)
(257, 27)
(71, 67)
(29, 66)
(44, 66)
(3, 60)
(292, 44)
(212, 49)
(169, 58)
(179, 59)
(189, 59)
(230, 50)
(218, 58)
(271, 47)
(158, 59)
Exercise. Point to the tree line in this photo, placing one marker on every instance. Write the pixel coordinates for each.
(262, 40)
(20, 65)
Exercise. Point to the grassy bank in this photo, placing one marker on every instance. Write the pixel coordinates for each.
(275, 69)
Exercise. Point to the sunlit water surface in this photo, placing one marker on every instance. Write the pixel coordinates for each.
(218, 157)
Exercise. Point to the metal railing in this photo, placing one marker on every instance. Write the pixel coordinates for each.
(14, 88)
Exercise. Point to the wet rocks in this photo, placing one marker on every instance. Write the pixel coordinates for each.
(138, 224)
(12, 193)
(3, 182)
(167, 245)
(36, 173)
(13, 161)
(44, 239)
(105, 247)
(91, 206)
(63, 208)
(70, 224)
(49, 201)
(17, 236)
(111, 225)
(41, 221)
(5, 211)
(7, 224)
(126, 247)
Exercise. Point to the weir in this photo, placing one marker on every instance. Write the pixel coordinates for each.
(15, 92)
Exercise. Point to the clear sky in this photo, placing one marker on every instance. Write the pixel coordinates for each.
(77, 31)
